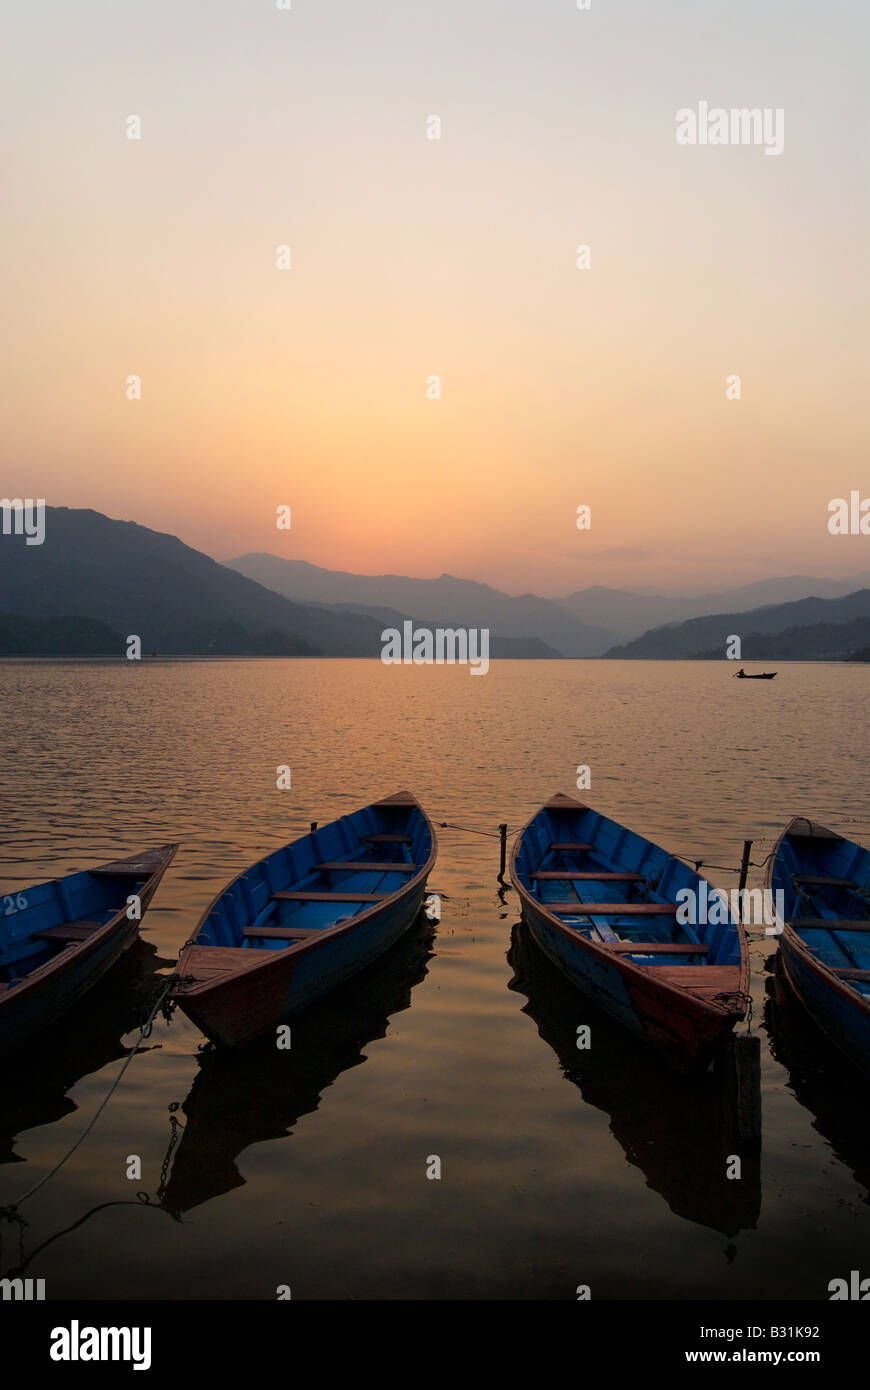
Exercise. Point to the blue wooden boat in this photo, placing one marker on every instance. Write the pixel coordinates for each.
(825, 943)
(602, 903)
(305, 919)
(58, 938)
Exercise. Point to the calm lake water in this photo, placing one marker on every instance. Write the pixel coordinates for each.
(308, 1169)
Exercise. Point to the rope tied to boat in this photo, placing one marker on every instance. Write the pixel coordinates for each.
(157, 1000)
(469, 830)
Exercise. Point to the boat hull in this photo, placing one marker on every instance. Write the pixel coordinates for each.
(45, 996)
(831, 870)
(685, 985)
(331, 904)
(242, 1007)
(840, 1013)
(685, 1031)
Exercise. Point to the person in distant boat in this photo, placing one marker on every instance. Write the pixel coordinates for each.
(741, 674)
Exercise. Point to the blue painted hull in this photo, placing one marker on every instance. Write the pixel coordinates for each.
(41, 976)
(812, 955)
(303, 921)
(683, 1002)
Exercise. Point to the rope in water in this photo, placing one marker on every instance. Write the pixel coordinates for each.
(153, 1005)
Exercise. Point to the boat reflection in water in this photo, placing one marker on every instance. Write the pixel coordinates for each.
(243, 1096)
(679, 1130)
(38, 1079)
(822, 1079)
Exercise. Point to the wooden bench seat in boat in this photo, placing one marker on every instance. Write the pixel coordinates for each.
(657, 948)
(830, 924)
(69, 931)
(387, 839)
(570, 846)
(819, 881)
(579, 909)
(282, 933)
(311, 897)
(367, 867)
(849, 974)
(707, 981)
(556, 875)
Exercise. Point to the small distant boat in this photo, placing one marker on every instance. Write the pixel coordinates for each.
(759, 676)
(305, 919)
(601, 902)
(825, 942)
(59, 938)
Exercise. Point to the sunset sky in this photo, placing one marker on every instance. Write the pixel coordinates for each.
(413, 257)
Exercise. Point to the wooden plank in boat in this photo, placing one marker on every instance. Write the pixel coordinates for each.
(309, 897)
(656, 948)
(136, 866)
(569, 845)
(705, 980)
(69, 931)
(829, 924)
(282, 933)
(579, 909)
(851, 974)
(387, 839)
(204, 963)
(368, 867)
(560, 874)
(819, 881)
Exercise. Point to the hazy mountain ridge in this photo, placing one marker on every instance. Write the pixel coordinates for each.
(815, 642)
(828, 628)
(177, 600)
(95, 581)
(588, 622)
(446, 601)
(629, 614)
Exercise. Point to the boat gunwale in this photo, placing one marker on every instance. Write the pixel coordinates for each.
(620, 962)
(793, 940)
(325, 934)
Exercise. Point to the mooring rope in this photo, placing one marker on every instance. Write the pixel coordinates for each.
(152, 1007)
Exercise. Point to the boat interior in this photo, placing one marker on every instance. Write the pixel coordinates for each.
(825, 882)
(327, 877)
(617, 889)
(41, 923)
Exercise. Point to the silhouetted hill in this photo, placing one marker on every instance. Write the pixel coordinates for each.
(120, 579)
(446, 601)
(63, 636)
(808, 630)
(177, 600)
(816, 642)
(585, 623)
(628, 615)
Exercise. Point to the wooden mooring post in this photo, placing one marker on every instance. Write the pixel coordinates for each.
(502, 831)
(742, 1086)
(744, 866)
